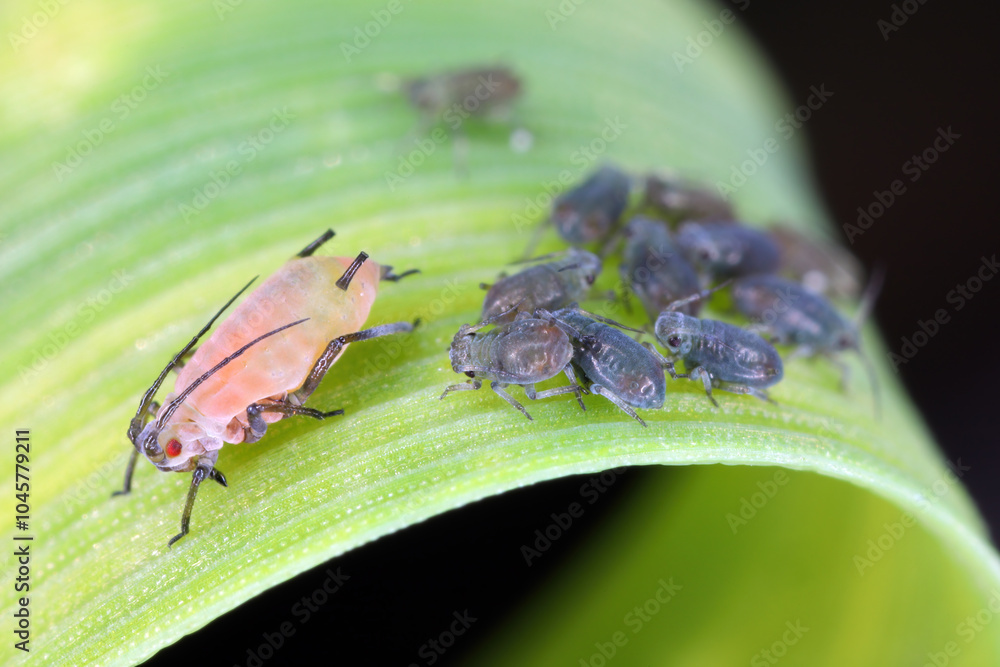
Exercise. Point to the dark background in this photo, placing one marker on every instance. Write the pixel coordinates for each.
(937, 70)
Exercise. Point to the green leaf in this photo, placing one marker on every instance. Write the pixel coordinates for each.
(122, 115)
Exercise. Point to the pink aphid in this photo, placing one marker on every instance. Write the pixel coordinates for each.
(259, 366)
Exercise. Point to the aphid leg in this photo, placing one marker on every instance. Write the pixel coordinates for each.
(845, 373)
(498, 388)
(471, 385)
(151, 410)
(258, 427)
(460, 153)
(129, 470)
(665, 363)
(743, 389)
(535, 238)
(625, 407)
(217, 475)
(312, 247)
(529, 390)
(572, 379)
(333, 351)
(485, 286)
(203, 469)
(699, 373)
(614, 240)
(387, 274)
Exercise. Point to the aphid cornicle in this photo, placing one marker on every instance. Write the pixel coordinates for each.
(286, 335)
(548, 286)
(721, 355)
(792, 315)
(727, 250)
(615, 366)
(532, 348)
(655, 269)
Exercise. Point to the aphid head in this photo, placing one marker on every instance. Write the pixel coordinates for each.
(846, 339)
(676, 331)
(426, 94)
(584, 266)
(170, 448)
(698, 244)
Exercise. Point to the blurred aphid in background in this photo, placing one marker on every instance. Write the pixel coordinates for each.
(452, 97)
(822, 266)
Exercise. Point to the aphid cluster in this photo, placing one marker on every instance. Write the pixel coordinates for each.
(676, 240)
(259, 366)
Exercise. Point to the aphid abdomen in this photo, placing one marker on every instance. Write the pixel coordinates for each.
(302, 288)
(524, 352)
(537, 287)
(656, 270)
(735, 355)
(789, 312)
(621, 365)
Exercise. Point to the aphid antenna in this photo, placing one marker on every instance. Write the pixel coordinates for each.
(536, 236)
(539, 258)
(875, 283)
(872, 291)
(600, 318)
(615, 239)
(490, 320)
(176, 403)
(704, 294)
(135, 426)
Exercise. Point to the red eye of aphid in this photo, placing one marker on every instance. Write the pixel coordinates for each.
(173, 448)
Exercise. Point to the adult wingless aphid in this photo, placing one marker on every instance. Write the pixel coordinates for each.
(319, 304)
(717, 353)
(793, 315)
